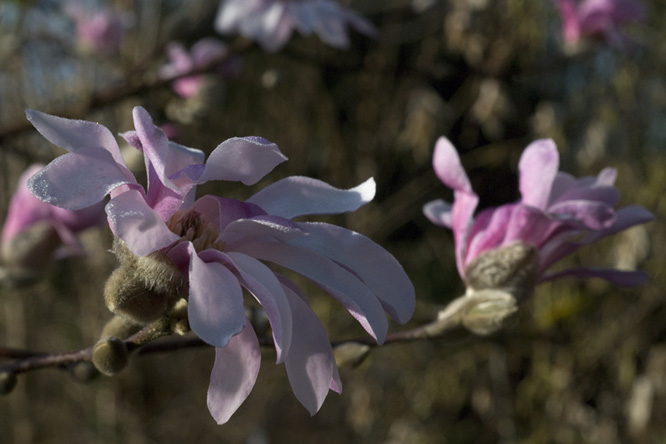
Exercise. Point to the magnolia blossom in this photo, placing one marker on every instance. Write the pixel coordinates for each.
(557, 213)
(221, 244)
(203, 53)
(34, 231)
(101, 30)
(271, 22)
(591, 18)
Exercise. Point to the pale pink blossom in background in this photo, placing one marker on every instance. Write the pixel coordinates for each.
(271, 22)
(222, 244)
(203, 53)
(557, 213)
(100, 30)
(598, 18)
(34, 231)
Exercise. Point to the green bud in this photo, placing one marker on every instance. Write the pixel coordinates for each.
(110, 355)
(7, 382)
(512, 268)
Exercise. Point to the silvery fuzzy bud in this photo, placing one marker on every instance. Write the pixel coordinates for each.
(512, 268)
(143, 289)
(110, 355)
(120, 327)
(7, 382)
(486, 310)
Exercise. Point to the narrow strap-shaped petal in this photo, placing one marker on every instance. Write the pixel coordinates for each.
(439, 213)
(75, 135)
(132, 220)
(299, 196)
(215, 306)
(621, 278)
(448, 168)
(234, 374)
(380, 271)
(277, 228)
(259, 280)
(538, 167)
(244, 159)
(221, 211)
(310, 364)
(78, 180)
(462, 215)
(336, 280)
(492, 236)
(589, 214)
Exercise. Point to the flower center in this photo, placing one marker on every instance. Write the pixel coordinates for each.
(192, 226)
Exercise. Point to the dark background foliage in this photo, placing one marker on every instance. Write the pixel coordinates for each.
(581, 361)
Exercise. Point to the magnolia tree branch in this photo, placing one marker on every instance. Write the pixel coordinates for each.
(480, 313)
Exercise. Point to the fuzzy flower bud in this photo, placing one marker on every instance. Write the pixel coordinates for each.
(489, 309)
(110, 355)
(142, 289)
(512, 268)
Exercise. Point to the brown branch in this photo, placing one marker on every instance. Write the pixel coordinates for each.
(480, 313)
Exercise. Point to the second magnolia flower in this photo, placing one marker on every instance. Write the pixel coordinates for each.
(219, 245)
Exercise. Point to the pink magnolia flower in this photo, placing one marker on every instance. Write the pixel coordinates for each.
(222, 243)
(557, 214)
(271, 22)
(597, 18)
(34, 230)
(202, 53)
(101, 30)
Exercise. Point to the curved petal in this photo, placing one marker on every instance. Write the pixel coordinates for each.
(78, 180)
(462, 215)
(448, 168)
(538, 167)
(527, 225)
(215, 306)
(621, 278)
(439, 213)
(245, 159)
(604, 194)
(259, 280)
(299, 196)
(75, 135)
(336, 280)
(221, 211)
(380, 271)
(310, 364)
(277, 228)
(588, 214)
(132, 220)
(234, 374)
(493, 235)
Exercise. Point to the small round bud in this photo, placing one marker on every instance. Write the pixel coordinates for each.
(110, 355)
(83, 371)
(7, 382)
